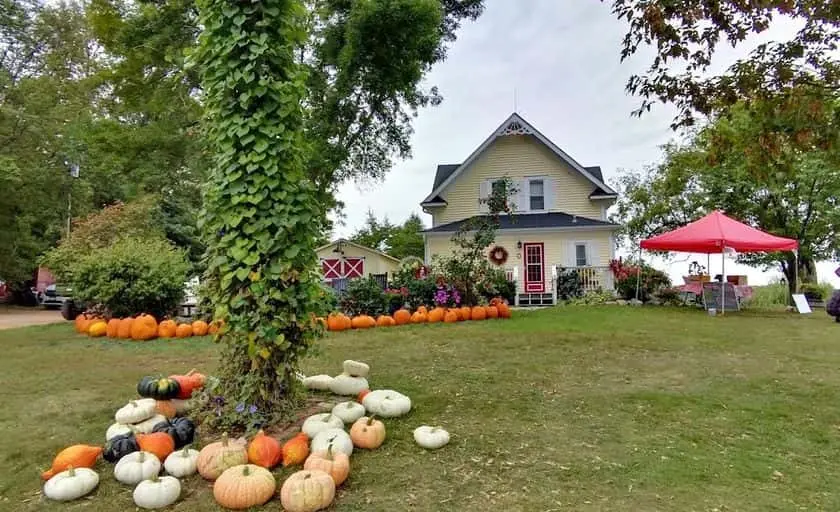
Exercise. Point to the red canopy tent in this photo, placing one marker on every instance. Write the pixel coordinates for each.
(715, 233)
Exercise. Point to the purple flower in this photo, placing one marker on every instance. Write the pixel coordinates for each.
(252, 409)
(219, 400)
(240, 407)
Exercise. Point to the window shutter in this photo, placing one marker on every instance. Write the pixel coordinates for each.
(592, 254)
(570, 255)
(523, 196)
(548, 190)
(483, 194)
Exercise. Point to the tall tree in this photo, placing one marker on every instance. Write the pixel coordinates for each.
(779, 188)
(261, 210)
(398, 241)
(374, 233)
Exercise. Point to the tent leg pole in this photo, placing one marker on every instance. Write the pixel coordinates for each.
(723, 281)
(639, 275)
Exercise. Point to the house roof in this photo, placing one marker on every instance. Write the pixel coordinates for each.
(354, 244)
(515, 125)
(530, 221)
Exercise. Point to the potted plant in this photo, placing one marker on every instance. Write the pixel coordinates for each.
(813, 293)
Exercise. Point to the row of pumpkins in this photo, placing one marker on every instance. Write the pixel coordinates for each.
(496, 309)
(239, 469)
(142, 327)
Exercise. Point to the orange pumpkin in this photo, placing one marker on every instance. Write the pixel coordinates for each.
(418, 317)
(166, 329)
(97, 329)
(83, 322)
(385, 321)
(436, 315)
(124, 330)
(334, 463)
(465, 313)
(422, 309)
(478, 313)
(166, 408)
(347, 322)
(159, 443)
(188, 383)
(183, 331)
(243, 487)
(296, 450)
(143, 328)
(504, 310)
(76, 456)
(335, 322)
(113, 328)
(402, 317)
(264, 451)
(450, 317)
(214, 327)
(368, 433)
(200, 328)
(363, 322)
(363, 394)
(492, 312)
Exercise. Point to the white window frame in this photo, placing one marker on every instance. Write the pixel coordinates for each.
(542, 180)
(585, 246)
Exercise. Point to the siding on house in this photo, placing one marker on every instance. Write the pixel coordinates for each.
(518, 157)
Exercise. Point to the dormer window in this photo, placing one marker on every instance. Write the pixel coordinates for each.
(536, 194)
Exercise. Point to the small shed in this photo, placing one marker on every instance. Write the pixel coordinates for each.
(343, 259)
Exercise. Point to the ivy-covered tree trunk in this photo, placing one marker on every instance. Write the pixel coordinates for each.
(261, 215)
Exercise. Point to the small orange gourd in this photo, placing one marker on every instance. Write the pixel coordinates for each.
(368, 433)
(296, 450)
(76, 456)
(385, 321)
(166, 408)
(264, 451)
(492, 312)
(143, 328)
(334, 463)
(450, 317)
(418, 317)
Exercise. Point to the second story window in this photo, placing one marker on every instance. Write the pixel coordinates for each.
(536, 192)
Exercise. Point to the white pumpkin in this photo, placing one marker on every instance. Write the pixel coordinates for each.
(339, 439)
(136, 467)
(349, 411)
(431, 438)
(319, 422)
(135, 411)
(356, 368)
(348, 385)
(71, 484)
(318, 382)
(181, 463)
(117, 429)
(157, 492)
(386, 403)
(145, 427)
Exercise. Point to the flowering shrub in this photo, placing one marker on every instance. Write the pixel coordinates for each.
(364, 296)
(447, 296)
(629, 276)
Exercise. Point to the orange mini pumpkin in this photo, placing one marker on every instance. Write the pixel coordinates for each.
(166, 408)
(418, 317)
(478, 313)
(264, 451)
(436, 315)
(296, 450)
(422, 309)
(492, 312)
(465, 313)
(183, 331)
(167, 328)
(143, 328)
(450, 317)
(385, 321)
(124, 330)
(83, 322)
(334, 463)
(113, 328)
(199, 328)
(368, 433)
(363, 322)
(402, 317)
(159, 443)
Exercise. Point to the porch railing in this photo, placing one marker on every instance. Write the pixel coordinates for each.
(595, 278)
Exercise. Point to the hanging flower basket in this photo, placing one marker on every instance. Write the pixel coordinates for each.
(498, 255)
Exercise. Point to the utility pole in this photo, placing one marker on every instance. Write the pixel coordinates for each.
(74, 173)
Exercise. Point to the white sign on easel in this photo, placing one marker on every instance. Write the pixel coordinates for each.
(801, 303)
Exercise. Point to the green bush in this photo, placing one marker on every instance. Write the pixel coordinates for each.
(815, 291)
(630, 276)
(496, 284)
(132, 276)
(595, 298)
(364, 296)
(568, 284)
(670, 297)
(421, 292)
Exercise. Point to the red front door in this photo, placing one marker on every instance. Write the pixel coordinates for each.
(533, 254)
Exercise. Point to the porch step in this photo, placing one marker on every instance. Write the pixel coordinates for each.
(535, 299)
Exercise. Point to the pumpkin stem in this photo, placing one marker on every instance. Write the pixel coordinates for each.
(224, 439)
(141, 457)
(246, 470)
(370, 420)
(71, 471)
(190, 372)
(185, 451)
(154, 478)
(133, 403)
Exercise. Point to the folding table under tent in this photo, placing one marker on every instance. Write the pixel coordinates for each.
(715, 233)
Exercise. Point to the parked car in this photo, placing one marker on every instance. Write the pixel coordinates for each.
(54, 296)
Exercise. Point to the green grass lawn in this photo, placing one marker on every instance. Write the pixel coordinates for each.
(601, 408)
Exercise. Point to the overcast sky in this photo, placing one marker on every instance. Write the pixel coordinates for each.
(562, 60)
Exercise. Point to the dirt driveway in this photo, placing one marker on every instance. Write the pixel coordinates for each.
(11, 317)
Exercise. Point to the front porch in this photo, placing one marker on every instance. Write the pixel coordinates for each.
(591, 279)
